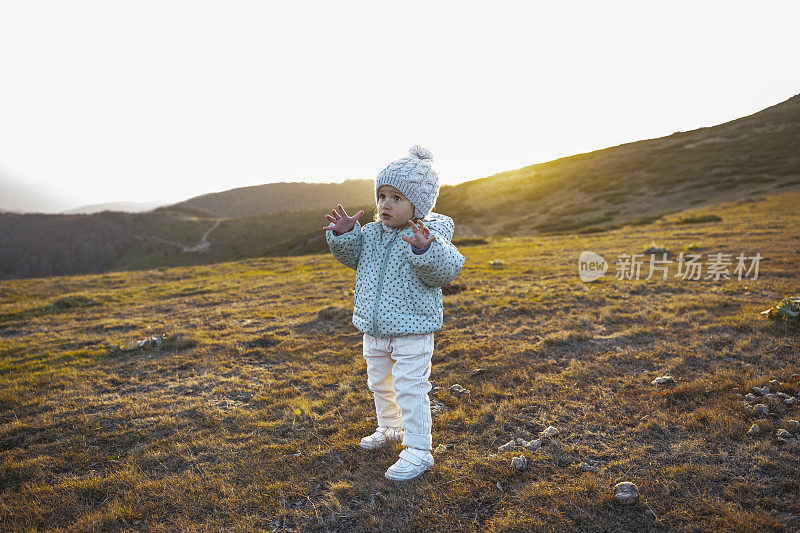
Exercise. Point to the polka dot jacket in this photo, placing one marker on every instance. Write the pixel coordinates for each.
(398, 292)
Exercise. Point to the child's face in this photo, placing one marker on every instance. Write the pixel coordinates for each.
(394, 209)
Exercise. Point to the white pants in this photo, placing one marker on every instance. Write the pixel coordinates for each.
(398, 369)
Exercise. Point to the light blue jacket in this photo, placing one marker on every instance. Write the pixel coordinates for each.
(397, 291)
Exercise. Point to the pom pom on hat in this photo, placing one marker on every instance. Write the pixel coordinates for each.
(422, 153)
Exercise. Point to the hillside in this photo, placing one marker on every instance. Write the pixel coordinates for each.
(274, 198)
(246, 411)
(127, 207)
(636, 181)
(632, 184)
(272, 234)
(45, 245)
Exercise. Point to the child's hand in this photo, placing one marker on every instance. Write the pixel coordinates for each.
(421, 235)
(342, 222)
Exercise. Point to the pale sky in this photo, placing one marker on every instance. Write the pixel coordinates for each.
(139, 101)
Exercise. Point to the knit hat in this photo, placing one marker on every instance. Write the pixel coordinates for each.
(414, 177)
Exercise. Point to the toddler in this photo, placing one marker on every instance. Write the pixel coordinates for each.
(398, 300)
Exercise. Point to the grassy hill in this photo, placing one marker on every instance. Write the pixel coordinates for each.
(275, 198)
(637, 181)
(272, 234)
(46, 245)
(248, 414)
(631, 184)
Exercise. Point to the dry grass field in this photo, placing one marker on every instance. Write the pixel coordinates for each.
(247, 415)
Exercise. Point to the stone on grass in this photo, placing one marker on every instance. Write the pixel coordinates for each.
(437, 408)
(774, 384)
(783, 434)
(440, 449)
(519, 462)
(760, 409)
(751, 397)
(656, 250)
(754, 430)
(790, 400)
(507, 447)
(549, 432)
(782, 395)
(533, 444)
(761, 392)
(149, 342)
(586, 467)
(793, 426)
(663, 380)
(626, 493)
(458, 391)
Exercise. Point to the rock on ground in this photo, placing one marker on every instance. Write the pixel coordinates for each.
(507, 447)
(549, 432)
(533, 444)
(663, 380)
(458, 391)
(626, 493)
(760, 409)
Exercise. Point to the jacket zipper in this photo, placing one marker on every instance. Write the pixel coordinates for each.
(380, 282)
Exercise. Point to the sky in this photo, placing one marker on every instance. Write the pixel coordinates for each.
(160, 101)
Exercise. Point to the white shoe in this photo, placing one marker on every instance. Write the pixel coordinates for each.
(382, 437)
(412, 463)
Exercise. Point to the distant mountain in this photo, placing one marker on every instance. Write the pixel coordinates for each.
(276, 197)
(19, 197)
(125, 207)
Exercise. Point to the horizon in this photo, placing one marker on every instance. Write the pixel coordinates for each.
(273, 96)
(155, 204)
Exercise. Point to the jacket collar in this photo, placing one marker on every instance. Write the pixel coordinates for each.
(389, 232)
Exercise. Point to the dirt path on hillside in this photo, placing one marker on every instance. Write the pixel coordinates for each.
(201, 246)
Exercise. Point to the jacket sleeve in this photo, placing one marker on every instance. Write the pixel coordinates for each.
(346, 248)
(442, 261)
(420, 250)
